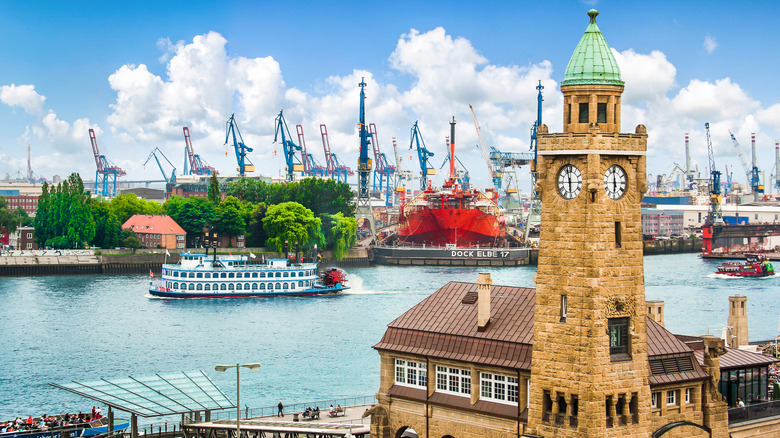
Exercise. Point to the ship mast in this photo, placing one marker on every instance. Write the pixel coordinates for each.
(452, 152)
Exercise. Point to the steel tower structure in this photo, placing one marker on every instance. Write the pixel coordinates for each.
(244, 165)
(364, 210)
(107, 172)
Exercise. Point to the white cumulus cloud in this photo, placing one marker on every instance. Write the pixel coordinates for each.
(23, 96)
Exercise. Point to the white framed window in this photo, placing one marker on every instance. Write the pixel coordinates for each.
(498, 387)
(671, 398)
(654, 400)
(411, 373)
(29, 235)
(688, 395)
(453, 380)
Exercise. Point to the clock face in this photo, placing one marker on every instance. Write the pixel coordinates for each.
(569, 181)
(615, 182)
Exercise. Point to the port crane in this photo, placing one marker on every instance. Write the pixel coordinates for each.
(363, 209)
(334, 169)
(310, 166)
(197, 166)
(495, 174)
(293, 163)
(107, 172)
(422, 154)
(383, 171)
(715, 215)
(403, 175)
(244, 165)
(751, 171)
(168, 179)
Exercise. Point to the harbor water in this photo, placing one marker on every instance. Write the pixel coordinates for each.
(63, 328)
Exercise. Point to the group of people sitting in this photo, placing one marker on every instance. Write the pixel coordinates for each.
(311, 414)
(46, 422)
(335, 412)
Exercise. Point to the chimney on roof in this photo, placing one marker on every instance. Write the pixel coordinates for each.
(655, 310)
(483, 300)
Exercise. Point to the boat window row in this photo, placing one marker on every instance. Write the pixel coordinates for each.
(239, 286)
(238, 274)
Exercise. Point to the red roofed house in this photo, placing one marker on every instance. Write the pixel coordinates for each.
(157, 231)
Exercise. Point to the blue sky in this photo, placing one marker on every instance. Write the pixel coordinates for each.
(139, 71)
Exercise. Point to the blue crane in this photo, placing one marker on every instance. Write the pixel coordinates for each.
(715, 215)
(244, 165)
(383, 171)
(155, 151)
(107, 172)
(364, 163)
(422, 154)
(293, 163)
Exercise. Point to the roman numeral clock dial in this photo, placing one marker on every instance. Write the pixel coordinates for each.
(569, 181)
(615, 182)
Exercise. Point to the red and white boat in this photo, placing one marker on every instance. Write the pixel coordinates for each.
(755, 265)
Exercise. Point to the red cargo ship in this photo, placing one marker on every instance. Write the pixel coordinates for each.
(451, 215)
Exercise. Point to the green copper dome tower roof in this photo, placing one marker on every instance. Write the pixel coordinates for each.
(592, 62)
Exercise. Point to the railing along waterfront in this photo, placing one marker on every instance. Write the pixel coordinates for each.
(324, 405)
(754, 411)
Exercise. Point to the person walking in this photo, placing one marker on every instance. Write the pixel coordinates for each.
(281, 410)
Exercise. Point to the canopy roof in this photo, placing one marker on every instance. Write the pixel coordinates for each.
(151, 396)
(592, 61)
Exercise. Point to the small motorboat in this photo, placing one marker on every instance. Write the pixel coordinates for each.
(755, 265)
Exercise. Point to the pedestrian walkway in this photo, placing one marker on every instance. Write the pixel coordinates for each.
(351, 424)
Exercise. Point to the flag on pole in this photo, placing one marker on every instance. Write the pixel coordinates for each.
(151, 274)
(252, 255)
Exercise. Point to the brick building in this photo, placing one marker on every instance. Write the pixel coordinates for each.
(662, 223)
(157, 231)
(27, 202)
(22, 238)
(579, 355)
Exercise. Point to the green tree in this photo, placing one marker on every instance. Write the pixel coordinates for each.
(43, 217)
(128, 204)
(129, 239)
(81, 226)
(291, 224)
(24, 219)
(256, 235)
(214, 195)
(230, 217)
(9, 219)
(193, 214)
(108, 231)
(340, 233)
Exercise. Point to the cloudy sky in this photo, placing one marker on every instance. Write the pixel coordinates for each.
(137, 72)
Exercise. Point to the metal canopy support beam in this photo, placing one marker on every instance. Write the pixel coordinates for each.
(133, 425)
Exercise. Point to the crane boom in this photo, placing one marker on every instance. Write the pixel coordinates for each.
(231, 127)
(422, 154)
(172, 178)
(751, 171)
(494, 173)
(196, 164)
(107, 172)
(288, 146)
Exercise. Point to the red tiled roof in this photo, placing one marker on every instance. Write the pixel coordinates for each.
(141, 223)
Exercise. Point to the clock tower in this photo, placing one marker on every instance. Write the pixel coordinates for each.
(589, 369)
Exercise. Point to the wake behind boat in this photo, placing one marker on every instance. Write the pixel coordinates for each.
(197, 276)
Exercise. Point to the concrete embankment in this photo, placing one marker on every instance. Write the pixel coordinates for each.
(143, 261)
(124, 262)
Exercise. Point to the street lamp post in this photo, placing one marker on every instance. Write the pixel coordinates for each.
(251, 366)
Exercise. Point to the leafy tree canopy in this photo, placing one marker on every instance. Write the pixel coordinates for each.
(291, 224)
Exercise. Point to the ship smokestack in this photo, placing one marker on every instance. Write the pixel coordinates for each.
(483, 299)
(452, 150)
